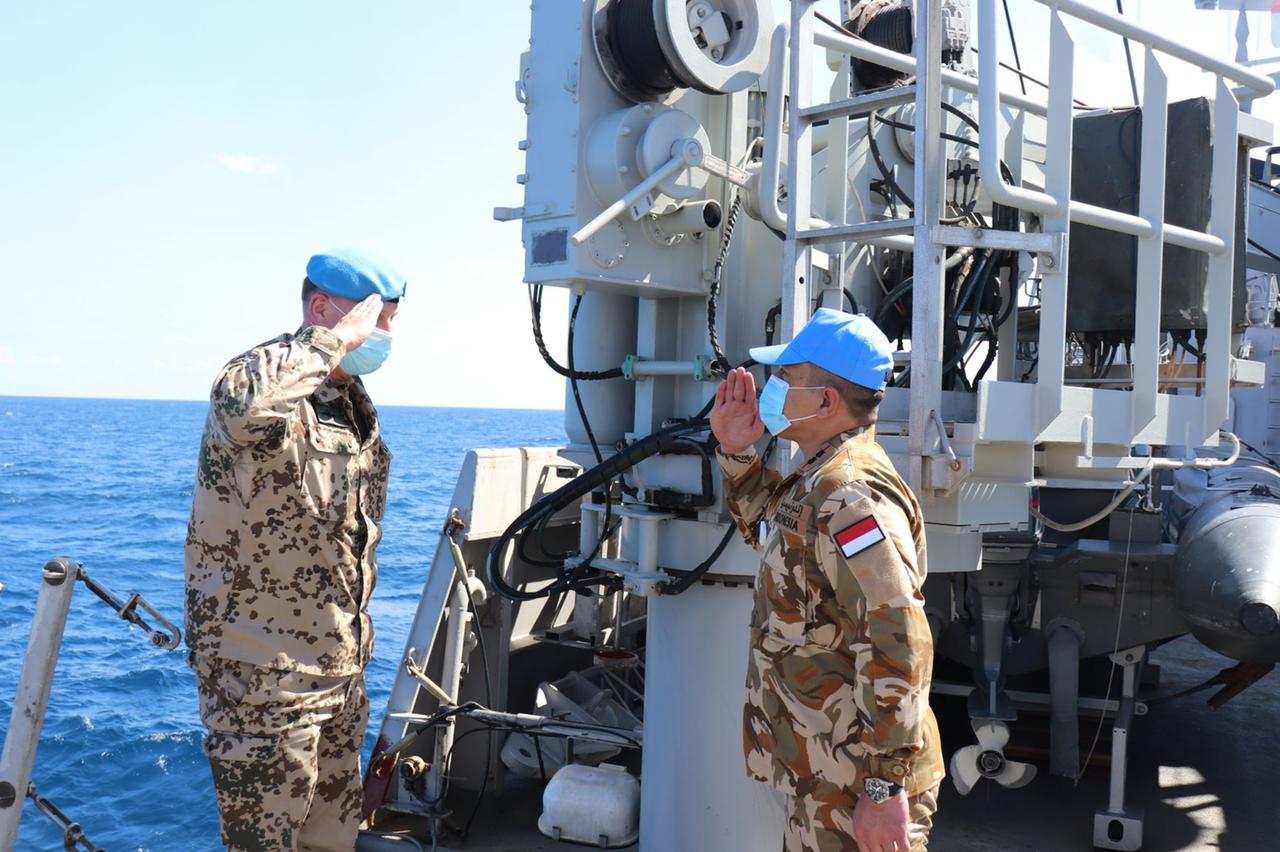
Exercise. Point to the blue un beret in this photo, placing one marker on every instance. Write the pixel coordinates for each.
(355, 275)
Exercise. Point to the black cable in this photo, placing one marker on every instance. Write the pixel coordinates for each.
(675, 587)
(840, 28)
(573, 384)
(540, 512)
(535, 306)
(713, 291)
(1184, 340)
(886, 176)
(1257, 452)
(1128, 57)
(1268, 252)
(1013, 39)
(573, 491)
(1031, 78)
(632, 38)
(853, 303)
(902, 125)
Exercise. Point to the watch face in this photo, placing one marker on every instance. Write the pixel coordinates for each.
(877, 788)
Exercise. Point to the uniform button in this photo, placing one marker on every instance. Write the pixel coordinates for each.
(897, 769)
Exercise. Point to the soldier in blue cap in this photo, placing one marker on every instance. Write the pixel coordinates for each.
(837, 714)
(280, 563)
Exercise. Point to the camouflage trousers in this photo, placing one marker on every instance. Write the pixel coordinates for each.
(284, 748)
(816, 825)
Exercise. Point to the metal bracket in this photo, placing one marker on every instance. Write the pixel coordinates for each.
(1049, 246)
(417, 673)
(702, 365)
(1248, 374)
(169, 637)
(701, 368)
(72, 834)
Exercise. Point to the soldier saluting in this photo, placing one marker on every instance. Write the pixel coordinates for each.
(280, 564)
(837, 715)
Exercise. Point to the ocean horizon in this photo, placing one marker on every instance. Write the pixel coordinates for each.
(205, 401)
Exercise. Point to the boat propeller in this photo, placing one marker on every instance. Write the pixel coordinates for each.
(986, 759)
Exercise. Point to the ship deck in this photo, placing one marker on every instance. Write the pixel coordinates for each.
(1205, 779)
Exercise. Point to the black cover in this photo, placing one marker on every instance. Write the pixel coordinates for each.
(1106, 154)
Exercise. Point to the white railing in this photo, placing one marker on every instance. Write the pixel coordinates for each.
(1053, 204)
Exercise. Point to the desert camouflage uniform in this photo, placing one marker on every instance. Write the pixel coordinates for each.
(841, 653)
(280, 564)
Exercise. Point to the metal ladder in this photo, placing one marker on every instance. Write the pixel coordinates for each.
(1058, 410)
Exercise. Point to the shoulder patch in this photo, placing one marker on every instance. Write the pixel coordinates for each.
(858, 536)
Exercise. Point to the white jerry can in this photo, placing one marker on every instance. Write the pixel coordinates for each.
(598, 805)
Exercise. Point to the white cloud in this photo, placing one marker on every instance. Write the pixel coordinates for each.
(246, 164)
(42, 360)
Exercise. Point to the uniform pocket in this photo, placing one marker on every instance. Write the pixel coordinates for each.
(376, 482)
(330, 472)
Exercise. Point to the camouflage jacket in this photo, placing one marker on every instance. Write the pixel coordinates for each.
(292, 481)
(841, 652)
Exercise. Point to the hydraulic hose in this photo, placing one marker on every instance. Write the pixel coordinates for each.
(571, 492)
(563, 497)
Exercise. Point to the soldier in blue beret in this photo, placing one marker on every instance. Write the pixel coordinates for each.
(280, 563)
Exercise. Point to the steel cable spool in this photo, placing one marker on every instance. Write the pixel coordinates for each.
(629, 51)
(649, 48)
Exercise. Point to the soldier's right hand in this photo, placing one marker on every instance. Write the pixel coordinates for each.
(735, 418)
(358, 323)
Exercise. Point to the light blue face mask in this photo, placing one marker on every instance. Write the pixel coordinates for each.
(773, 399)
(368, 356)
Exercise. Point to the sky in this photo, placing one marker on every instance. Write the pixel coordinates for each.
(167, 168)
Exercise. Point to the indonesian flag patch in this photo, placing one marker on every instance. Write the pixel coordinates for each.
(856, 538)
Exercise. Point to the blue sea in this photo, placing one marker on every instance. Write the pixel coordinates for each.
(108, 483)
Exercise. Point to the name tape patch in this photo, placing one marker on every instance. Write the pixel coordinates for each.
(856, 538)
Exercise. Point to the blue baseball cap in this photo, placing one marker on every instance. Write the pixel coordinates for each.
(353, 274)
(850, 346)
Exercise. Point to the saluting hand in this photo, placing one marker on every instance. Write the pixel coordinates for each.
(355, 327)
(883, 827)
(735, 419)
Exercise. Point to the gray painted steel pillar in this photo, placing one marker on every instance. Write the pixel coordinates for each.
(696, 793)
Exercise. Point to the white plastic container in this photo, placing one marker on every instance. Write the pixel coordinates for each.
(597, 805)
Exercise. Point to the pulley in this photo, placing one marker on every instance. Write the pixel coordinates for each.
(629, 145)
(649, 48)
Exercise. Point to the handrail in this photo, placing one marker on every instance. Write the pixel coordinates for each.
(1261, 85)
(771, 168)
(988, 155)
(1041, 202)
(906, 63)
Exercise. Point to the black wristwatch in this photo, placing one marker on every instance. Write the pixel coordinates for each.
(880, 790)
